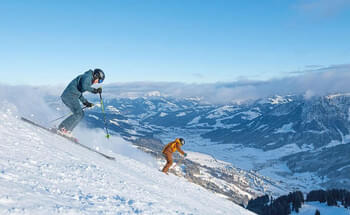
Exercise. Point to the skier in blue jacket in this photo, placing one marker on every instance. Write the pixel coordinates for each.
(74, 92)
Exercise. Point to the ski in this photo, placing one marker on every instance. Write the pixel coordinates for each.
(72, 139)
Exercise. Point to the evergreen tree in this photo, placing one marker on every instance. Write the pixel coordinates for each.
(257, 205)
(316, 195)
(331, 200)
(347, 200)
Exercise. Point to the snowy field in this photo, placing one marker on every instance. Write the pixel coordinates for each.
(42, 173)
(309, 208)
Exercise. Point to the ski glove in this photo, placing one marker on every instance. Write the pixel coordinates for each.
(185, 154)
(88, 104)
(98, 90)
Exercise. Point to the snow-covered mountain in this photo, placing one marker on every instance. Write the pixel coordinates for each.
(43, 173)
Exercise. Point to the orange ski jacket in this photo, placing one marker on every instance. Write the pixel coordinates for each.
(172, 147)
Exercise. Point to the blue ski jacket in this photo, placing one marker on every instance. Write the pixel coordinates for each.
(78, 86)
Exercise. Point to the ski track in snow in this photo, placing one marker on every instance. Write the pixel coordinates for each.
(42, 173)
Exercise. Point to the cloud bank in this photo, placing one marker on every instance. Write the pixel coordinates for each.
(310, 82)
(313, 81)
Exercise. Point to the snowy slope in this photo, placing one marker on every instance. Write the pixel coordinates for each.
(42, 173)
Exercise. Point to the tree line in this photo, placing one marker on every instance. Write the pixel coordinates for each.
(284, 205)
(332, 197)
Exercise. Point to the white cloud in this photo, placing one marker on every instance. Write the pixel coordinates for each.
(311, 82)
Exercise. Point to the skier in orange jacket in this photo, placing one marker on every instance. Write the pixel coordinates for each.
(168, 151)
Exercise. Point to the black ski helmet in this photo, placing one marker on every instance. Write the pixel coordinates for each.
(99, 74)
(182, 141)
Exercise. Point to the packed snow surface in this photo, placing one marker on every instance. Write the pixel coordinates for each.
(42, 173)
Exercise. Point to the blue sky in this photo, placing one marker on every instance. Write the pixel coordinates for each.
(193, 41)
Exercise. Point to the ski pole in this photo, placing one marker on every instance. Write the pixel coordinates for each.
(60, 117)
(64, 116)
(104, 116)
